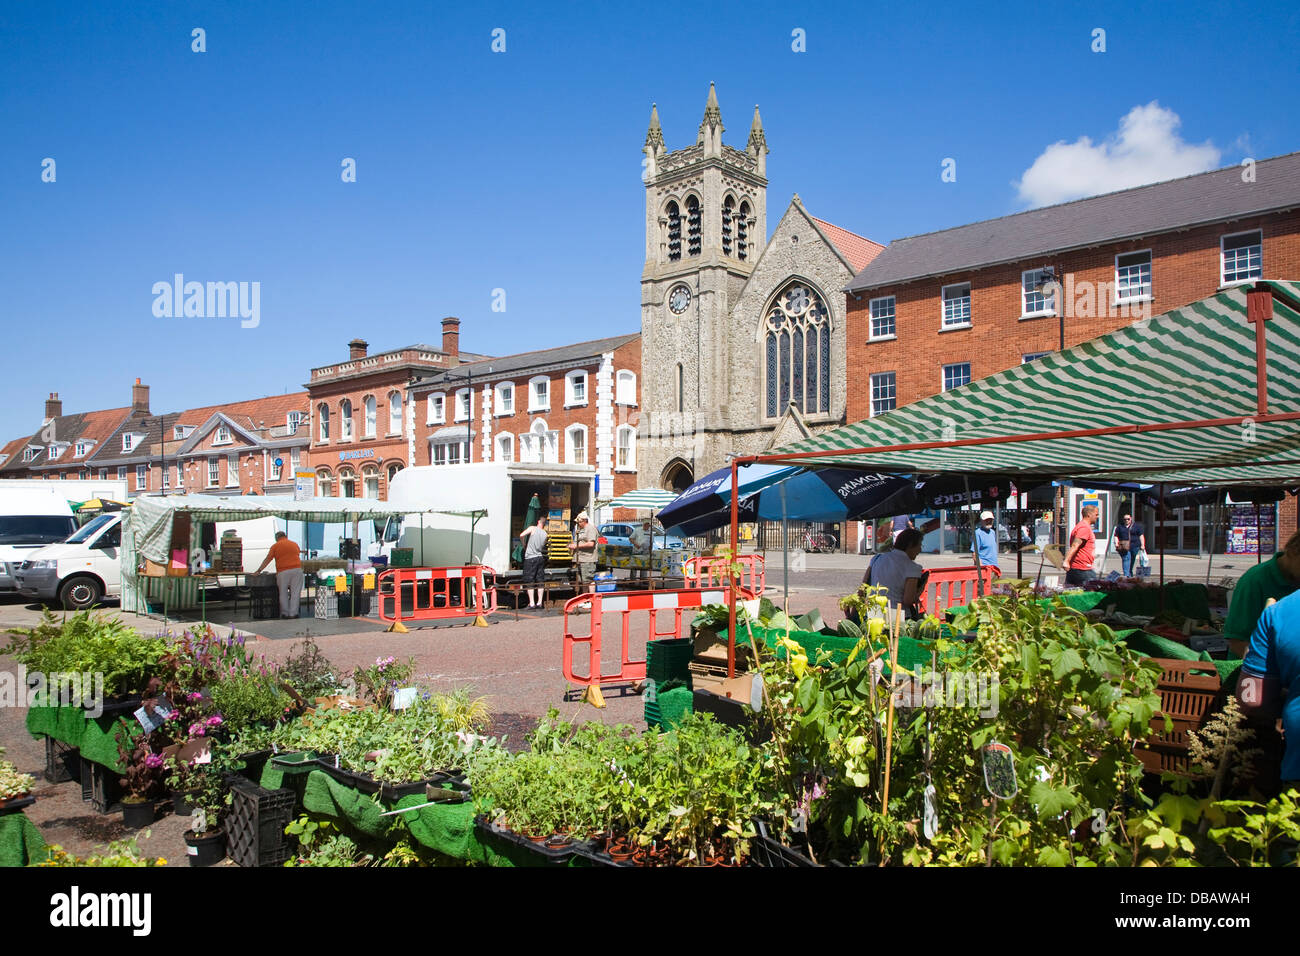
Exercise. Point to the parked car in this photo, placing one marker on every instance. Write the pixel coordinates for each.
(29, 519)
(620, 534)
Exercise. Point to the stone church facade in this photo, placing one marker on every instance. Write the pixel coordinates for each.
(743, 337)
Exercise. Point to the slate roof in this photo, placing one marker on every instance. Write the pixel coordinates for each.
(272, 409)
(508, 364)
(97, 426)
(1204, 198)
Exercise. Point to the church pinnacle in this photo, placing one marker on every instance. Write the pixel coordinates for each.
(757, 141)
(654, 137)
(712, 115)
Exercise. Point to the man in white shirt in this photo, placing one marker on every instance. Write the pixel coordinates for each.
(896, 570)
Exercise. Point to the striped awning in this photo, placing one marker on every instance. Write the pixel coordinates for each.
(645, 498)
(1147, 380)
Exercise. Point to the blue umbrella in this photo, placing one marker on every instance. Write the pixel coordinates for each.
(706, 504)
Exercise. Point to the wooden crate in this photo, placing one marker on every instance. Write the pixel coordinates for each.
(1187, 692)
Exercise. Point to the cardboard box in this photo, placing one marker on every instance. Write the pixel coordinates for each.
(152, 569)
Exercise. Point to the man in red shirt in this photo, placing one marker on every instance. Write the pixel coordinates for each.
(1078, 560)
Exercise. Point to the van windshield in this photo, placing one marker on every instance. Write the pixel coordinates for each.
(91, 528)
(35, 529)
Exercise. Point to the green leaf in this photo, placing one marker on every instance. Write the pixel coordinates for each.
(847, 628)
(1067, 662)
(1051, 801)
(1053, 856)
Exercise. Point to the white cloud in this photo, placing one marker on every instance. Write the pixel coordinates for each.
(1145, 149)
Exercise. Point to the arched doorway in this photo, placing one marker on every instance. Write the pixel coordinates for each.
(677, 476)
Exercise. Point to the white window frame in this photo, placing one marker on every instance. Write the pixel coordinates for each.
(571, 380)
(81, 449)
(1027, 289)
(370, 416)
(569, 457)
(503, 399)
(536, 403)
(295, 460)
(1223, 257)
(178, 433)
(369, 473)
(222, 436)
(128, 441)
(944, 318)
(141, 477)
(103, 474)
(166, 479)
(1146, 296)
(345, 475)
(463, 405)
(1028, 357)
(55, 452)
(505, 447)
(292, 421)
(323, 423)
(396, 412)
(345, 420)
(625, 387)
(232, 471)
(893, 384)
(214, 472)
(627, 463)
(440, 452)
(436, 409)
(276, 471)
(323, 481)
(872, 334)
(29, 454)
(943, 376)
(121, 472)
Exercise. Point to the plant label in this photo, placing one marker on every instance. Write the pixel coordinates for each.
(930, 818)
(148, 722)
(404, 697)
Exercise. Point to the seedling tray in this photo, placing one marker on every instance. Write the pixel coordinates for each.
(557, 856)
(14, 804)
(361, 782)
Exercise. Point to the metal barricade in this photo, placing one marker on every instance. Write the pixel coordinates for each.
(430, 594)
(625, 604)
(710, 571)
(953, 587)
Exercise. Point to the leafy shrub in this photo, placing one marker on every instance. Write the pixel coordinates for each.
(310, 672)
(87, 643)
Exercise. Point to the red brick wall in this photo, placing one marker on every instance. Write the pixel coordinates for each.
(1185, 267)
(384, 449)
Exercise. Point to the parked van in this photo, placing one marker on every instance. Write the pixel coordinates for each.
(29, 519)
(86, 569)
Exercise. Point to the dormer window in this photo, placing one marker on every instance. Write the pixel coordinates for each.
(82, 448)
(56, 451)
(29, 454)
(294, 420)
(128, 441)
(178, 432)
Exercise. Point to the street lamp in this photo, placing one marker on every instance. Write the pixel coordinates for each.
(469, 408)
(1048, 284)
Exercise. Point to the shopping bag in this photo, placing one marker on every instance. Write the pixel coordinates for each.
(1142, 565)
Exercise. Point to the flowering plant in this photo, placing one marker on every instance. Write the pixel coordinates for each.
(143, 777)
(12, 783)
(379, 680)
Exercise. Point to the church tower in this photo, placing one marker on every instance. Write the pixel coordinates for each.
(705, 229)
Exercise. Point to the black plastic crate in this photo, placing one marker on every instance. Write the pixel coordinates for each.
(552, 855)
(105, 789)
(86, 774)
(60, 761)
(766, 850)
(255, 824)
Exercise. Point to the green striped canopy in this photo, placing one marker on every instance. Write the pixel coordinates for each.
(1191, 364)
(644, 498)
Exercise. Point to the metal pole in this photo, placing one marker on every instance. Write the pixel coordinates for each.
(1259, 537)
(1162, 517)
(731, 581)
(785, 545)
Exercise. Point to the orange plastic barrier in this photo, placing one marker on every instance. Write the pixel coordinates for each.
(625, 604)
(709, 571)
(429, 594)
(953, 587)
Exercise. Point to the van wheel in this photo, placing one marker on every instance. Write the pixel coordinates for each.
(80, 593)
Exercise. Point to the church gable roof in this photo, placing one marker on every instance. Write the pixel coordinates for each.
(858, 250)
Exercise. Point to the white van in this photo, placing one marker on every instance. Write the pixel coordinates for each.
(79, 572)
(87, 568)
(29, 519)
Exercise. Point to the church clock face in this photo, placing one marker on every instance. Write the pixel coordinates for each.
(679, 299)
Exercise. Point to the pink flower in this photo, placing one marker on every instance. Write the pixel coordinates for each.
(196, 730)
(214, 720)
(153, 760)
(192, 696)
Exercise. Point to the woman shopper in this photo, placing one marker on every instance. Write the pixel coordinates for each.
(1128, 539)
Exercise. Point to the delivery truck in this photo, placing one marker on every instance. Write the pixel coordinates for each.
(474, 514)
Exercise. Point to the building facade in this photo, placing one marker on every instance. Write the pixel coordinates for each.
(743, 337)
(935, 311)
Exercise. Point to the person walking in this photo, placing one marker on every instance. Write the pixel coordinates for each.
(534, 539)
(985, 546)
(584, 543)
(1083, 550)
(1128, 539)
(288, 573)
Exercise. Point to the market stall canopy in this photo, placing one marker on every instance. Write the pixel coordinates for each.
(149, 522)
(651, 499)
(1171, 399)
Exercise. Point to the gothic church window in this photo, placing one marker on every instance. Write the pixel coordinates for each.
(742, 232)
(796, 352)
(728, 214)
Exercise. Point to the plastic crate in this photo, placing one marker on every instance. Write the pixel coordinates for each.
(669, 660)
(85, 772)
(265, 603)
(256, 822)
(402, 558)
(61, 761)
(106, 791)
(327, 604)
(605, 582)
(766, 850)
(1187, 692)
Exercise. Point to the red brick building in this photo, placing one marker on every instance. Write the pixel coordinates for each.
(938, 310)
(576, 404)
(360, 431)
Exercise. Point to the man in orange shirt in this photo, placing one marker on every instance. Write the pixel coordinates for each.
(1082, 553)
(288, 573)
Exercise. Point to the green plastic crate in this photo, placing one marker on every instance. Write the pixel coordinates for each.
(402, 558)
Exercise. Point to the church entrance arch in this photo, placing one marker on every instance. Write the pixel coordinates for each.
(677, 476)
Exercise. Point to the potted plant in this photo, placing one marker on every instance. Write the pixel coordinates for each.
(205, 841)
(15, 787)
(142, 780)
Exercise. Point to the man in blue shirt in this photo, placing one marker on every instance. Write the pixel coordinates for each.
(1271, 674)
(985, 545)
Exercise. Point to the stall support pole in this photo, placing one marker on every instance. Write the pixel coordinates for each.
(1259, 537)
(1162, 517)
(731, 578)
(785, 547)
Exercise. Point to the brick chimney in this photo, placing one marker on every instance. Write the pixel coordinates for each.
(53, 407)
(357, 349)
(139, 397)
(451, 336)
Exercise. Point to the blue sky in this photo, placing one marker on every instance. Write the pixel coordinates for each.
(520, 170)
